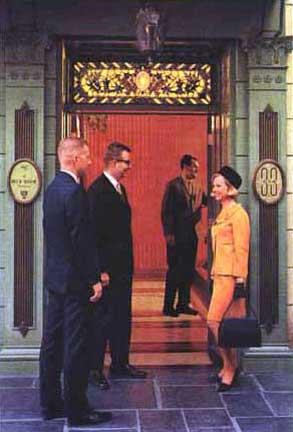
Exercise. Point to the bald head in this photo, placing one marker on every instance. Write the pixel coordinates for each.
(73, 155)
(68, 147)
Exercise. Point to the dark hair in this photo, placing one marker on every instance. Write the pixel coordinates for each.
(114, 150)
(186, 160)
(231, 175)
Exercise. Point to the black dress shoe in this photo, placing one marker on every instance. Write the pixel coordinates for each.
(170, 312)
(99, 379)
(51, 414)
(186, 310)
(90, 419)
(127, 371)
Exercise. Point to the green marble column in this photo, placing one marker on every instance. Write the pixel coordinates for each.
(22, 85)
(267, 62)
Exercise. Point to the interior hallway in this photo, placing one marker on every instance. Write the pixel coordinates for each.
(159, 340)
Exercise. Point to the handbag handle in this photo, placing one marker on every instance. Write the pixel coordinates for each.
(249, 309)
(241, 292)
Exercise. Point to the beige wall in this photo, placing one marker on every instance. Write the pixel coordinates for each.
(289, 32)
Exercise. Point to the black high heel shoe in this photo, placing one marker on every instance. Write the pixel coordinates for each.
(226, 387)
(236, 375)
(214, 378)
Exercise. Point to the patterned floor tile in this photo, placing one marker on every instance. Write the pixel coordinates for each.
(32, 426)
(151, 373)
(268, 424)
(246, 404)
(19, 382)
(104, 430)
(214, 429)
(161, 421)
(282, 403)
(190, 397)
(20, 403)
(166, 372)
(276, 382)
(121, 419)
(124, 395)
(197, 418)
(191, 375)
(187, 401)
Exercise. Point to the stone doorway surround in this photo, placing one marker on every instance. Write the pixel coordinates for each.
(258, 74)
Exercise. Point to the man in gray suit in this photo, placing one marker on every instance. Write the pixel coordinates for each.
(181, 211)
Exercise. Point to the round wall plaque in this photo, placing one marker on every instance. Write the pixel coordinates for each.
(268, 181)
(24, 181)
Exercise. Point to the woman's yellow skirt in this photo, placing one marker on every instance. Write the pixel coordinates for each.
(222, 304)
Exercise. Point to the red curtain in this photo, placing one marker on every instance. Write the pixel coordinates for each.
(157, 141)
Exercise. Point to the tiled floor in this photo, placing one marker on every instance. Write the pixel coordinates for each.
(171, 399)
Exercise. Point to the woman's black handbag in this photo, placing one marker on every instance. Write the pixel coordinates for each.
(239, 332)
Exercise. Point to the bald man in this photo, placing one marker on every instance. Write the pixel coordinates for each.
(73, 283)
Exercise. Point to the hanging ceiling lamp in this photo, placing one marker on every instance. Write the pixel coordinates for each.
(149, 30)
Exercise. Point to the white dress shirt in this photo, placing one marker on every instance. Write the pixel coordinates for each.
(113, 181)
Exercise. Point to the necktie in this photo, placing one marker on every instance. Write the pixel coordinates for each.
(190, 188)
(118, 188)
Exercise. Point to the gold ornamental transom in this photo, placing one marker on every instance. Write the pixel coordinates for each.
(132, 83)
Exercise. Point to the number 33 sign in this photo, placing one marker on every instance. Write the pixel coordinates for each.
(268, 181)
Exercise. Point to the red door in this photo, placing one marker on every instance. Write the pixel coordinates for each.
(157, 141)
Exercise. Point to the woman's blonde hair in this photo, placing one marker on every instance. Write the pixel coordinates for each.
(232, 191)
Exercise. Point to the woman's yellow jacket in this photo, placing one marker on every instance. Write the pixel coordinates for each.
(230, 242)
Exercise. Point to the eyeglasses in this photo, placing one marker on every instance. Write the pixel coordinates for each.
(126, 161)
(193, 167)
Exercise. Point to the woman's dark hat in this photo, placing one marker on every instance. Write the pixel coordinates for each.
(231, 175)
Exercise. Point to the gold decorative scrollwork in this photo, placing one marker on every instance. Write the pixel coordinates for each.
(128, 83)
(98, 122)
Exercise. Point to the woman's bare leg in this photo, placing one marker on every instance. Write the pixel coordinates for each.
(214, 327)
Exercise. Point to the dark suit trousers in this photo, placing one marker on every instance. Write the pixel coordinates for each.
(181, 263)
(112, 323)
(65, 345)
(100, 328)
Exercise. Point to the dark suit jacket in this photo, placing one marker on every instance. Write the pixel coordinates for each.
(111, 218)
(177, 216)
(71, 257)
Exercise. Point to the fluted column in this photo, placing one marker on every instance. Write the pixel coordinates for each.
(24, 64)
(289, 34)
(267, 92)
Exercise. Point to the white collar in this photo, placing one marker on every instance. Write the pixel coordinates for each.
(73, 175)
(111, 179)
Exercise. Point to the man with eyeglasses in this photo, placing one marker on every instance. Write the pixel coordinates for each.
(181, 211)
(111, 218)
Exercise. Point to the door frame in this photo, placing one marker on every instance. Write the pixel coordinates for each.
(216, 52)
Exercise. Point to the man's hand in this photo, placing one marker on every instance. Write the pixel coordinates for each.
(97, 288)
(170, 239)
(105, 279)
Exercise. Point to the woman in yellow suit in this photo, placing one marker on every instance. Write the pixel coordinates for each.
(230, 246)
